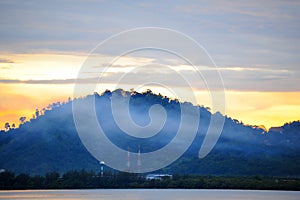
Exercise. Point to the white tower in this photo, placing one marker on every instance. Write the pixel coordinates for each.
(102, 163)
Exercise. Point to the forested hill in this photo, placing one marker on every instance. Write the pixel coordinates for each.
(49, 141)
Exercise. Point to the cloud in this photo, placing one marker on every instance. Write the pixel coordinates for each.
(3, 60)
(238, 35)
(53, 81)
(256, 78)
(267, 9)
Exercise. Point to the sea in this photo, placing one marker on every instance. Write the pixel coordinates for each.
(149, 194)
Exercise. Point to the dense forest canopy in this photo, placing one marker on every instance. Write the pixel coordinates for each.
(49, 141)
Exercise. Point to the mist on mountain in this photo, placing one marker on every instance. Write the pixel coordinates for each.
(49, 142)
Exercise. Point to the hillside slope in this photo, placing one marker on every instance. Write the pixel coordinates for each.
(50, 142)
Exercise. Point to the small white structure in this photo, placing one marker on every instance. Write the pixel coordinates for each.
(158, 176)
(102, 163)
(2, 171)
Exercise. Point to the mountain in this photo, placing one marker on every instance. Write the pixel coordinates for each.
(49, 142)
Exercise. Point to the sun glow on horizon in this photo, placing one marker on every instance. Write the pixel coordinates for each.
(21, 99)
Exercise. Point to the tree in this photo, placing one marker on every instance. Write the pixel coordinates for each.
(37, 113)
(43, 111)
(22, 120)
(132, 91)
(51, 179)
(22, 181)
(7, 126)
(147, 92)
(49, 107)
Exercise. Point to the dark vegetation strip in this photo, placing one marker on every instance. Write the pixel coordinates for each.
(90, 180)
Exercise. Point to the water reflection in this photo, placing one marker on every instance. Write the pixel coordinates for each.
(150, 194)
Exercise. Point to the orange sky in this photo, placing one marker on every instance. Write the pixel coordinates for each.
(255, 45)
(21, 99)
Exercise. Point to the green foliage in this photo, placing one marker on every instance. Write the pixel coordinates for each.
(88, 180)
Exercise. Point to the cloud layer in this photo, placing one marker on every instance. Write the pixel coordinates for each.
(255, 45)
(235, 33)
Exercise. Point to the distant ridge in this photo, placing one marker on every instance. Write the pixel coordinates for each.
(50, 141)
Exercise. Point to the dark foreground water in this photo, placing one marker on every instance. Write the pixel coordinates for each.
(150, 194)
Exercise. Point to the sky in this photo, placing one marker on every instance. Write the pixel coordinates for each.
(254, 44)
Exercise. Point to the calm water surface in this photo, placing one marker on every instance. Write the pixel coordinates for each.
(150, 194)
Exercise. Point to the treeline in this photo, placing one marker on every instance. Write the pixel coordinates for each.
(91, 180)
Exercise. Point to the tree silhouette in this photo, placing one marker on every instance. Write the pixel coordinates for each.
(22, 120)
(49, 107)
(7, 126)
(43, 111)
(37, 113)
